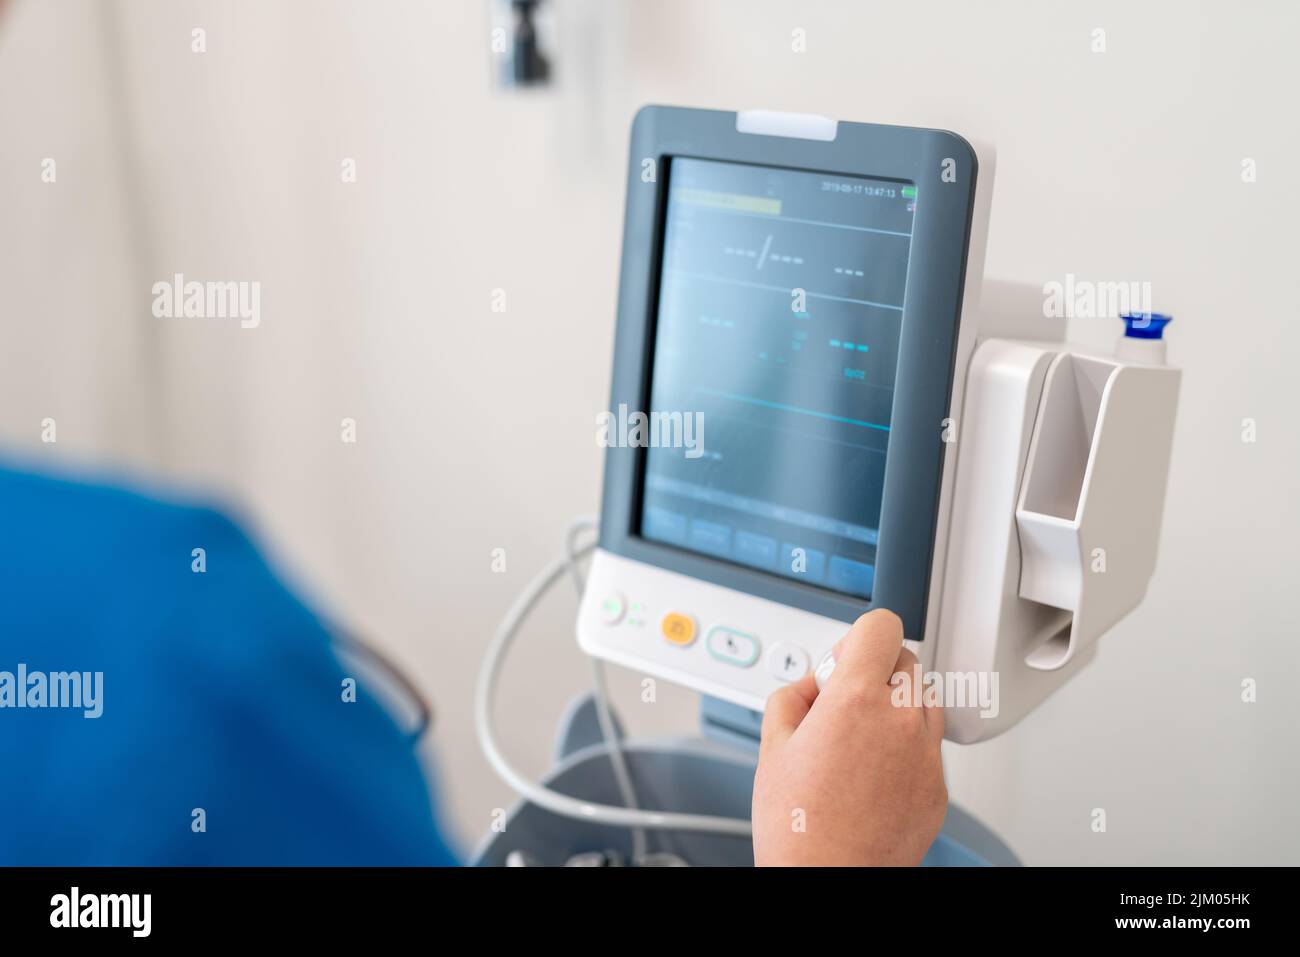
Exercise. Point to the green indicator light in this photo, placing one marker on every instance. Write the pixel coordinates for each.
(909, 192)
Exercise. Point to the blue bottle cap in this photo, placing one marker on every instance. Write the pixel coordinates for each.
(1145, 325)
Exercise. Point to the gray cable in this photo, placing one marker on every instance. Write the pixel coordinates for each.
(542, 796)
(617, 760)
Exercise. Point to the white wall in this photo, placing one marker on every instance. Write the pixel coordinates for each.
(476, 428)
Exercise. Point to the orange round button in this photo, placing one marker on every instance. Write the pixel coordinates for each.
(678, 628)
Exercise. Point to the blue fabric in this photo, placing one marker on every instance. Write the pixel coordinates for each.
(220, 691)
(945, 852)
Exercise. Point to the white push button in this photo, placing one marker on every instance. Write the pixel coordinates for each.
(612, 607)
(787, 662)
(824, 669)
(733, 647)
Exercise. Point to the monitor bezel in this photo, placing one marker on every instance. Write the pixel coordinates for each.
(935, 286)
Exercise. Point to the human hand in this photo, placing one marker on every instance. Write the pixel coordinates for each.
(846, 777)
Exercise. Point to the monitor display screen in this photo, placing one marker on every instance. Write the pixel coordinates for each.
(774, 358)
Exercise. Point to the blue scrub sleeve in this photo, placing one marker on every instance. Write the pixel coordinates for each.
(226, 734)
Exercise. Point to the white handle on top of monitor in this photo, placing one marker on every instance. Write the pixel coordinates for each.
(803, 126)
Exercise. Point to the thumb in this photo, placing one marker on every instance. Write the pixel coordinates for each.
(867, 656)
(785, 711)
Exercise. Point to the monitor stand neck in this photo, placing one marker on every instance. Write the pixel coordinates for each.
(730, 723)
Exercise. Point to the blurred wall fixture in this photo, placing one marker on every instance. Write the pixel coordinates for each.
(522, 33)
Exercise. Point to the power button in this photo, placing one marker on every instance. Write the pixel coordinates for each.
(612, 607)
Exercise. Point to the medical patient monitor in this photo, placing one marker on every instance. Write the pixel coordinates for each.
(797, 315)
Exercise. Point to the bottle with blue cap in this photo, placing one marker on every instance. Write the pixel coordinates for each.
(1144, 337)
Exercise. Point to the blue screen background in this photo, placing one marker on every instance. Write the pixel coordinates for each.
(780, 309)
